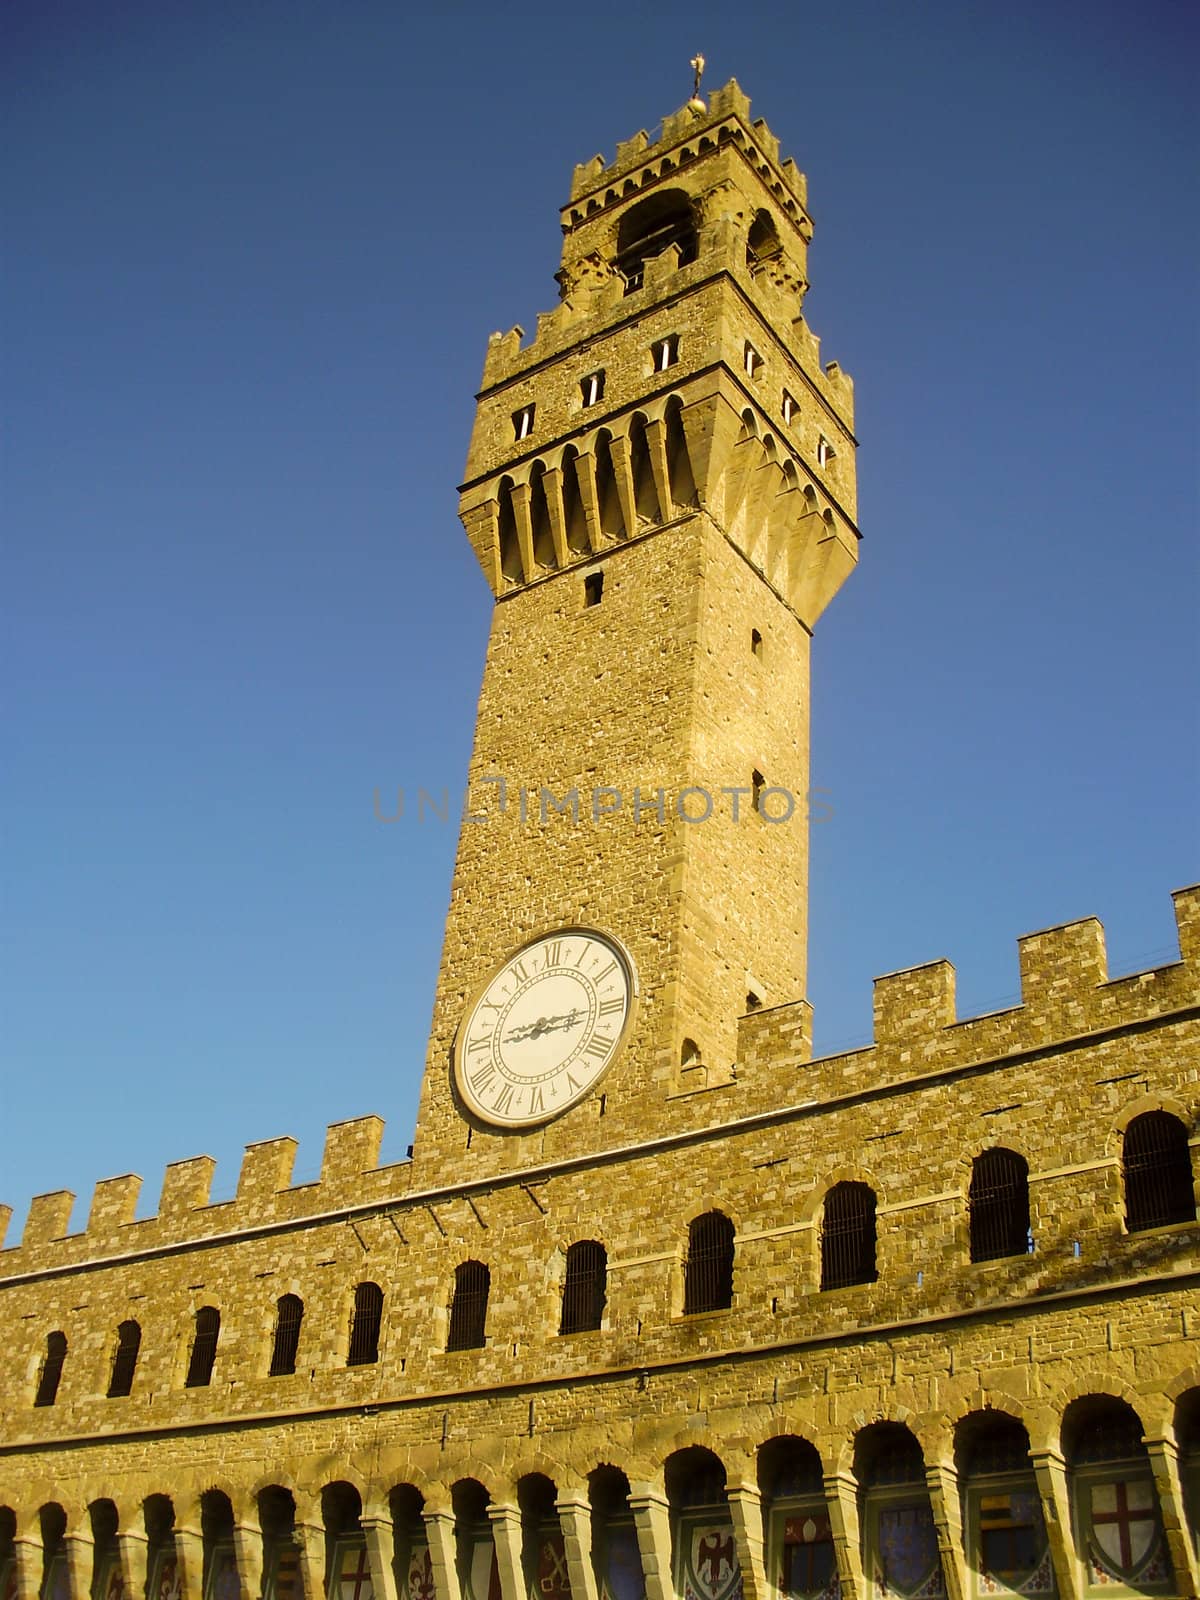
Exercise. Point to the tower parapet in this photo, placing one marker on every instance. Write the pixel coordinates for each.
(1067, 996)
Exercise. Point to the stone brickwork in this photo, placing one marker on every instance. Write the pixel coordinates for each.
(810, 1406)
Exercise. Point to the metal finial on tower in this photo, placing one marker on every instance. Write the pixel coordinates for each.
(697, 66)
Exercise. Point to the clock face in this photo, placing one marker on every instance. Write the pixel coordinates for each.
(545, 1029)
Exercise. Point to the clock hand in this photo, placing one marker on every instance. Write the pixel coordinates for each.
(534, 1030)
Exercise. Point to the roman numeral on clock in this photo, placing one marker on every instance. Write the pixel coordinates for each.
(554, 955)
(503, 1100)
(481, 1077)
(598, 1045)
(609, 1007)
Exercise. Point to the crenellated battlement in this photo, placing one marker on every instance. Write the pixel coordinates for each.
(1066, 995)
(637, 157)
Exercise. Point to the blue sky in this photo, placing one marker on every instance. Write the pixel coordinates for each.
(253, 256)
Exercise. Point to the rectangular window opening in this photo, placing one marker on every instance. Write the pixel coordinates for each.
(752, 361)
(593, 588)
(825, 452)
(592, 388)
(523, 422)
(789, 406)
(666, 352)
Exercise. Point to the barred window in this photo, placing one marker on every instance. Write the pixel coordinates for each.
(468, 1307)
(848, 1236)
(52, 1366)
(364, 1325)
(129, 1342)
(585, 1287)
(289, 1314)
(204, 1348)
(1158, 1172)
(999, 1205)
(708, 1271)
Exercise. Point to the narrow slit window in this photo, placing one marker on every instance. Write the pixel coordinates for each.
(666, 352)
(468, 1307)
(825, 451)
(523, 422)
(789, 406)
(592, 388)
(52, 1368)
(593, 588)
(585, 1287)
(129, 1342)
(365, 1325)
(204, 1348)
(751, 360)
(289, 1314)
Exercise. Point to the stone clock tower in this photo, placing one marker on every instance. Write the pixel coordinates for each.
(660, 490)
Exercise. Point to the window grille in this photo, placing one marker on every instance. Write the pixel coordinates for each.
(468, 1308)
(848, 1236)
(129, 1342)
(289, 1314)
(1158, 1172)
(893, 1455)
(999, 1205)
(204, 1348)
(52, 1366)
(364, 1325)
(585, 1287)
(708, 1272)
(1109, 1431)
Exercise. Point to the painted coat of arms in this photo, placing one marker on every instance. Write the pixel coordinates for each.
(711, 1570)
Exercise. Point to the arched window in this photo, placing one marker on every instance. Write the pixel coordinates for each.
(1006, 1540)
(900, 1544)
(1158, 1172)
(796, 1518)
(204, 1348)
(585, 1287)
(999, 1205)
(763, 241)
(289, 1314)
(364, 1325)
(52, 1365)
(468, 1308)
(708, 1271)
(129, 1342)
(848, 1236)
(1114, 1497)
(649, 228)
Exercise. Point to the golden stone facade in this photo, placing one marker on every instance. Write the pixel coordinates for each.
(916, 1320)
